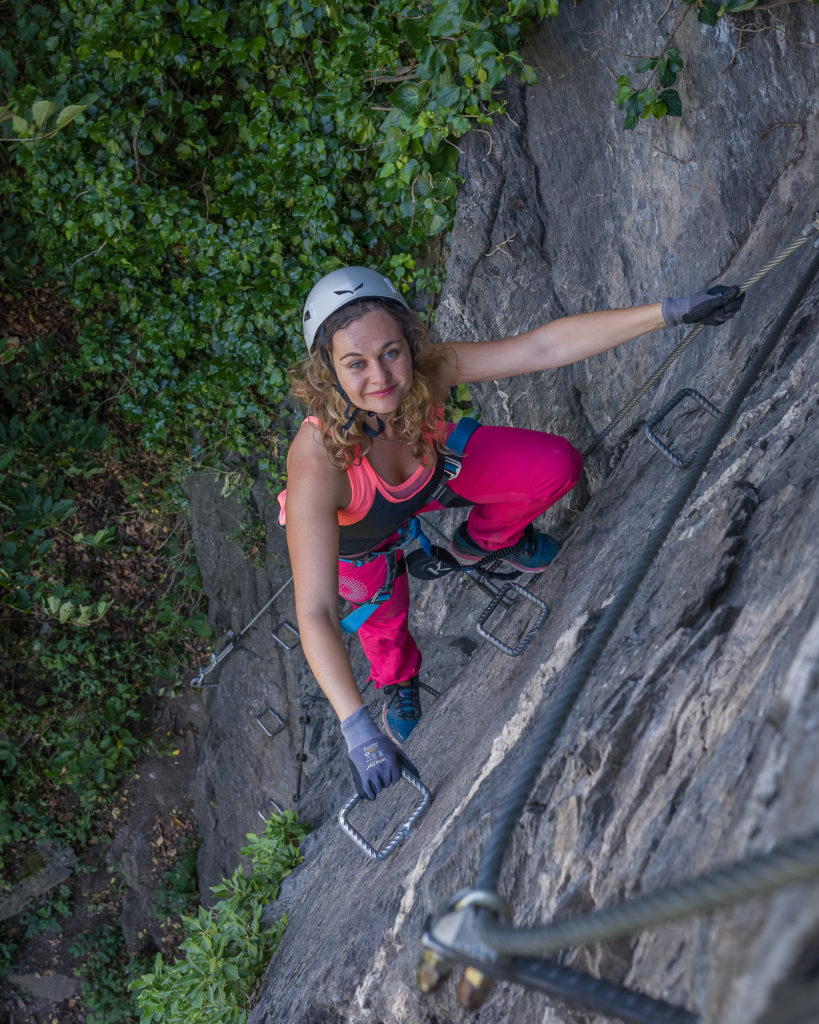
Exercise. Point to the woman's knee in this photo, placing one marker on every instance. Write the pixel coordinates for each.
(567, 461)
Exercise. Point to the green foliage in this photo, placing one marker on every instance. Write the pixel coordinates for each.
(107, 974)
(228, 948)
(709, 13)
(73, 730)
(44, 449)
(224, 156)
(42, 111)
(646, 101)
(179, 884)
(47, 916)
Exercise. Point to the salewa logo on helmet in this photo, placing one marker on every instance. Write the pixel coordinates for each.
(348, 291)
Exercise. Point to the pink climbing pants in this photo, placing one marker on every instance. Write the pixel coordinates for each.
(512, 476)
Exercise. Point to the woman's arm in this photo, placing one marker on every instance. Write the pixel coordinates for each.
(558, 343)
(315, 492)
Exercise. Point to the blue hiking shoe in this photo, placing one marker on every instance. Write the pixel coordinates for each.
(532, 553)
(402, 712)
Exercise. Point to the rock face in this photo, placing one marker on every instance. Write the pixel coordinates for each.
(693, 742)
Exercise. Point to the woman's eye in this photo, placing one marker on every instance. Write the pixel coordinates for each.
(391, 353)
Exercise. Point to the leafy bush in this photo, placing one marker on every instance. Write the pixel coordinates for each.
(106, 974)
(226, 155)
(179, 884)
(227, 949)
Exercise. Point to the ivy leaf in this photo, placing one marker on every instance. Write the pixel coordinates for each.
(407, 97)
(448, 21)
(666, 75)
(708, 14)
(646, 64)
(672, 100)
(675, 61)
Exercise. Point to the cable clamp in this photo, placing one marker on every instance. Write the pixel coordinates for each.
(811, 227)
(453, 937)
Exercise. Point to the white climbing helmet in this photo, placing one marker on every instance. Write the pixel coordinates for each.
(337, 289)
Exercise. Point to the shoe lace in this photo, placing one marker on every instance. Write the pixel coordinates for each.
(407, 699)
(529, 542)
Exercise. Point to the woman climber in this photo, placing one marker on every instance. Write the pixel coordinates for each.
(371, 454)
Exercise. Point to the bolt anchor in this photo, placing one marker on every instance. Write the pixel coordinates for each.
(433, 971)
(473, 988)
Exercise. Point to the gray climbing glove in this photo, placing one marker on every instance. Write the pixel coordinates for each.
(712, 307)
(375, 761)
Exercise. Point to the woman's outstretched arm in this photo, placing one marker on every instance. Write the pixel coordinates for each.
(573, 338)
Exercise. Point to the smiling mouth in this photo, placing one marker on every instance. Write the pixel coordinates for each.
(380, 394)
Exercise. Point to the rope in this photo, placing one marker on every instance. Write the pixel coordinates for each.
(807, 233)
(579, 673)
(797, 861)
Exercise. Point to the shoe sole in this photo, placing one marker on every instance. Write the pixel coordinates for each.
(396, 739)
(472, 559)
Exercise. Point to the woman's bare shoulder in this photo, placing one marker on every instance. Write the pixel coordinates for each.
(309, 466)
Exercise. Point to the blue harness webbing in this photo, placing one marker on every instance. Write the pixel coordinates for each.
(411, 530)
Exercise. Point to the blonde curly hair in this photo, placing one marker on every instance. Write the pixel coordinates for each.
(313, 382)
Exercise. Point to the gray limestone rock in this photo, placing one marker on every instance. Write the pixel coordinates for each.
(693, 743)
(53, 988)
(58, 865)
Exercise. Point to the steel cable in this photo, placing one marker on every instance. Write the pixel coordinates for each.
(579, 673)
(807, 233)
(797, 861)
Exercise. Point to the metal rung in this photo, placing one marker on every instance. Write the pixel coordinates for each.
(281, 722)
(401, 833)
(284, 644)
(527, 638)
(648, 429)
(269, 803)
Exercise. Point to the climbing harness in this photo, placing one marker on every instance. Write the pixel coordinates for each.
(411, 530)
(478, 938)
(804, 236)
(403, 832)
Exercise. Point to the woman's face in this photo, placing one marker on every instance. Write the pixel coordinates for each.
(373, 363)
